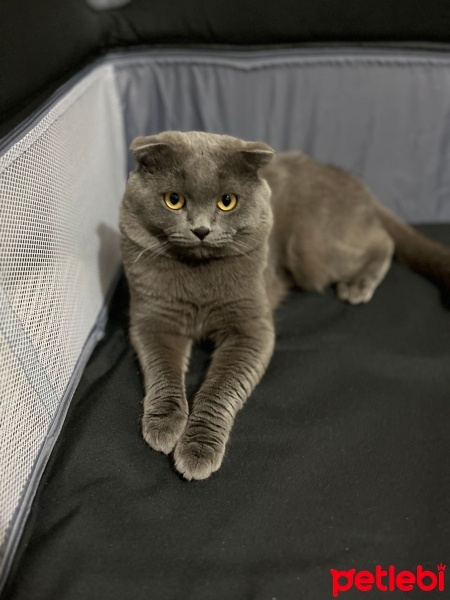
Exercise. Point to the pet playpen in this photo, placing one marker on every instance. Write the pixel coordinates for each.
(340, 457)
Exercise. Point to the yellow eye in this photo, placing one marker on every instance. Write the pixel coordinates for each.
(227, 202)
(174, 201)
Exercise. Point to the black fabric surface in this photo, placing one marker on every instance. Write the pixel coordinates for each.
(43, 43)
(338, 460)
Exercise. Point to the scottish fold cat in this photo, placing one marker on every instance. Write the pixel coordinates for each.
(214, 232)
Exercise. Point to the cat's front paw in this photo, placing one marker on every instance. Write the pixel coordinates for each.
(162, 430)
(196, 457)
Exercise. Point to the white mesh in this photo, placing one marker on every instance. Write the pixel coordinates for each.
(60, 188)
(22, 429)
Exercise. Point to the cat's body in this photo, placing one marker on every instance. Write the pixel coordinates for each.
(198, 271)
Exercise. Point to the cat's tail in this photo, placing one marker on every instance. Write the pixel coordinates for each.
(418, 252)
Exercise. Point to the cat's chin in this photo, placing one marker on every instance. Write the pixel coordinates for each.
(213, 250)
(200, 251)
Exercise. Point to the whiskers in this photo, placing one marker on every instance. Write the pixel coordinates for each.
(225, 245)
(242, 247)
(156, 248)
(231, 246)
(140, 254)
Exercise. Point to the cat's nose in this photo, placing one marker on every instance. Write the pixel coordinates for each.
(201, 232)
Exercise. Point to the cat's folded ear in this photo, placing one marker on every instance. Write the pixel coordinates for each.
(151, 151)
(255, 155)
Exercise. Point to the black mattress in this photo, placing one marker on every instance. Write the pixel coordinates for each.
(339, 460)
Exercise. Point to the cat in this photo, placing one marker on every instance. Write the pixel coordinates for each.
(214, 232)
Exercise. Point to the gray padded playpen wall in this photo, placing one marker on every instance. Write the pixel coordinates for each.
(385, 115)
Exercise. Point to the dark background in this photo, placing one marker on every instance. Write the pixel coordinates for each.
(43, 43)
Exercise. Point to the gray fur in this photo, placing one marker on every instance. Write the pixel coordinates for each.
(327, 228)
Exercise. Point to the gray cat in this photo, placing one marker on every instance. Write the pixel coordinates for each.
(214, 231)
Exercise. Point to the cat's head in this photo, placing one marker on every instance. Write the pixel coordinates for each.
(199, 195)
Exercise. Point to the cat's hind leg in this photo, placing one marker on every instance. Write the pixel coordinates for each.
(306, 261)
(358, 287)
(356, 260)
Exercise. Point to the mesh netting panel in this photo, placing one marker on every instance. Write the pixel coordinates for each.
(60, 188)
(29, 424)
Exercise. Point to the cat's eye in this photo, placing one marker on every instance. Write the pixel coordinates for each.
(227, 202)
(174, 201)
